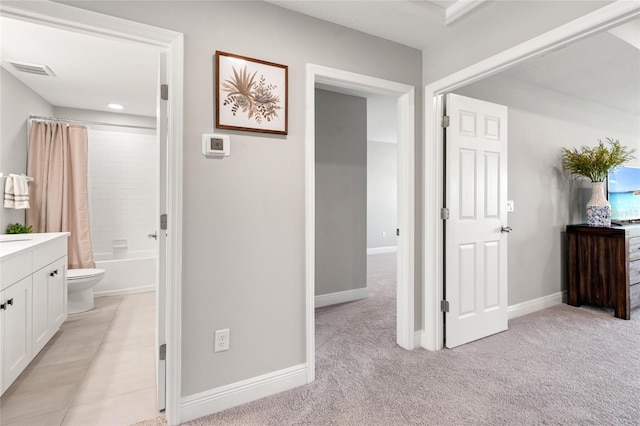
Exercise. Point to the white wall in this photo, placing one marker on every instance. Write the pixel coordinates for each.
(17, 102)
(546, 200)
(382, 178)
(123, 191)
(112, 118)
(243, 242)
(382, 120)
(382, 197)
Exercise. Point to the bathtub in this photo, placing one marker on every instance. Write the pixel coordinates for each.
(133, 273)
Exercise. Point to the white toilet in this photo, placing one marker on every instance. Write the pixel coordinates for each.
(80, 283)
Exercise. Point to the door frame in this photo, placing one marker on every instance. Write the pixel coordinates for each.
(406, 198)
(97, 24)
(433, 159)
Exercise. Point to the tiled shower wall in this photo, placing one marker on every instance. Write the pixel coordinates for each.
(123, 191)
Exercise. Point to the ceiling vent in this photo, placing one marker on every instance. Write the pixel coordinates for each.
(33, 68)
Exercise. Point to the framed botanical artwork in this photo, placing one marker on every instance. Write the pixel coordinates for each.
(251, 94)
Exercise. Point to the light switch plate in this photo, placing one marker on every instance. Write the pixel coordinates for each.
(510, 206)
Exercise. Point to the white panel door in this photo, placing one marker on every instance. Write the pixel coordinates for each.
(475, 240)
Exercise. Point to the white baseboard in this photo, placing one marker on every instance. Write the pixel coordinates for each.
(215, 400)
(124, 291)
(381, 250)
(518, 310)
(531, 306)
(341, 297)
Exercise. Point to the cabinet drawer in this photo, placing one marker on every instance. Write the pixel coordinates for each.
(634, 272)
(634, 248)
(14, 268)
(49, 252)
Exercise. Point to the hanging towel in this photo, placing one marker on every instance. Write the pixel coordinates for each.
(9, 196)
(16, 192)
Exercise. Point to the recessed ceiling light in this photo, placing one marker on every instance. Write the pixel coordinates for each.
(115, 106)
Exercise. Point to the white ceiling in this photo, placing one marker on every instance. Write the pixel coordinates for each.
(90, 72)
(412, 23)
(603, 69)
(94, 71)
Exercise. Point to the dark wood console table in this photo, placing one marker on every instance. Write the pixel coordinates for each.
(604, 267)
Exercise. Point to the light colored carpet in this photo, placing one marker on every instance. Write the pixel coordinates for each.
(563, 365)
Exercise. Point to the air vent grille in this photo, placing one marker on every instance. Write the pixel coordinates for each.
(33, 68)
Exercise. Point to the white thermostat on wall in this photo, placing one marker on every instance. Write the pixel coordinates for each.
(216, 146)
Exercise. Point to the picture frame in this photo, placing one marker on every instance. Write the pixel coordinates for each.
(251, 94)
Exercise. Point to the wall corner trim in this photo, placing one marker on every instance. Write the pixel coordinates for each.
(417, 338)
(341, 297)
(534, 305)
(218, 399)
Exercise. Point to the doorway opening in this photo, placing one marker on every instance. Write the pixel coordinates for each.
(343, 81)
(603, 19)
(53, 15)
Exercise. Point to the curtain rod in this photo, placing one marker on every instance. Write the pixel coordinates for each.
(95, 123)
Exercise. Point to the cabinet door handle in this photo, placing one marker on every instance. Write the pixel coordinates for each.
(3, 306)
(10, 301)
(53, 273)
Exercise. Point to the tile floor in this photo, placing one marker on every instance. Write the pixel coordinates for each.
(99, 369)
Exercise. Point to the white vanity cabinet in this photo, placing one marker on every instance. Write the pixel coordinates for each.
(49, 302)
(15, 317)
(33, 298)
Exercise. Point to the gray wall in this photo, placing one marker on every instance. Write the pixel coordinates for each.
(243, 241)
(341, 192)
(546, 200)
(382, 197)
(17, 102)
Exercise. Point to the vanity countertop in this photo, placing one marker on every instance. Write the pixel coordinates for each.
(11, 244)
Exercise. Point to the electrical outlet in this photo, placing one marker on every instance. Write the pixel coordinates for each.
(384, 234)
(221, 341)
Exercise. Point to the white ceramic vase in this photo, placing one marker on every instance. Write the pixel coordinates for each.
(598, 207)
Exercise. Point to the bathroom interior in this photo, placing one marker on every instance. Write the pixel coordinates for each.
(46, 85)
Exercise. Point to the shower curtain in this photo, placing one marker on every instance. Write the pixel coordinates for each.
(58, 156)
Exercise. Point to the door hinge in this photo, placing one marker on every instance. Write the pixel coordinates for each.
(445, 121)
(164, 92)
(163, 222)
(444, 213)
(162, 352)
(444, 305)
